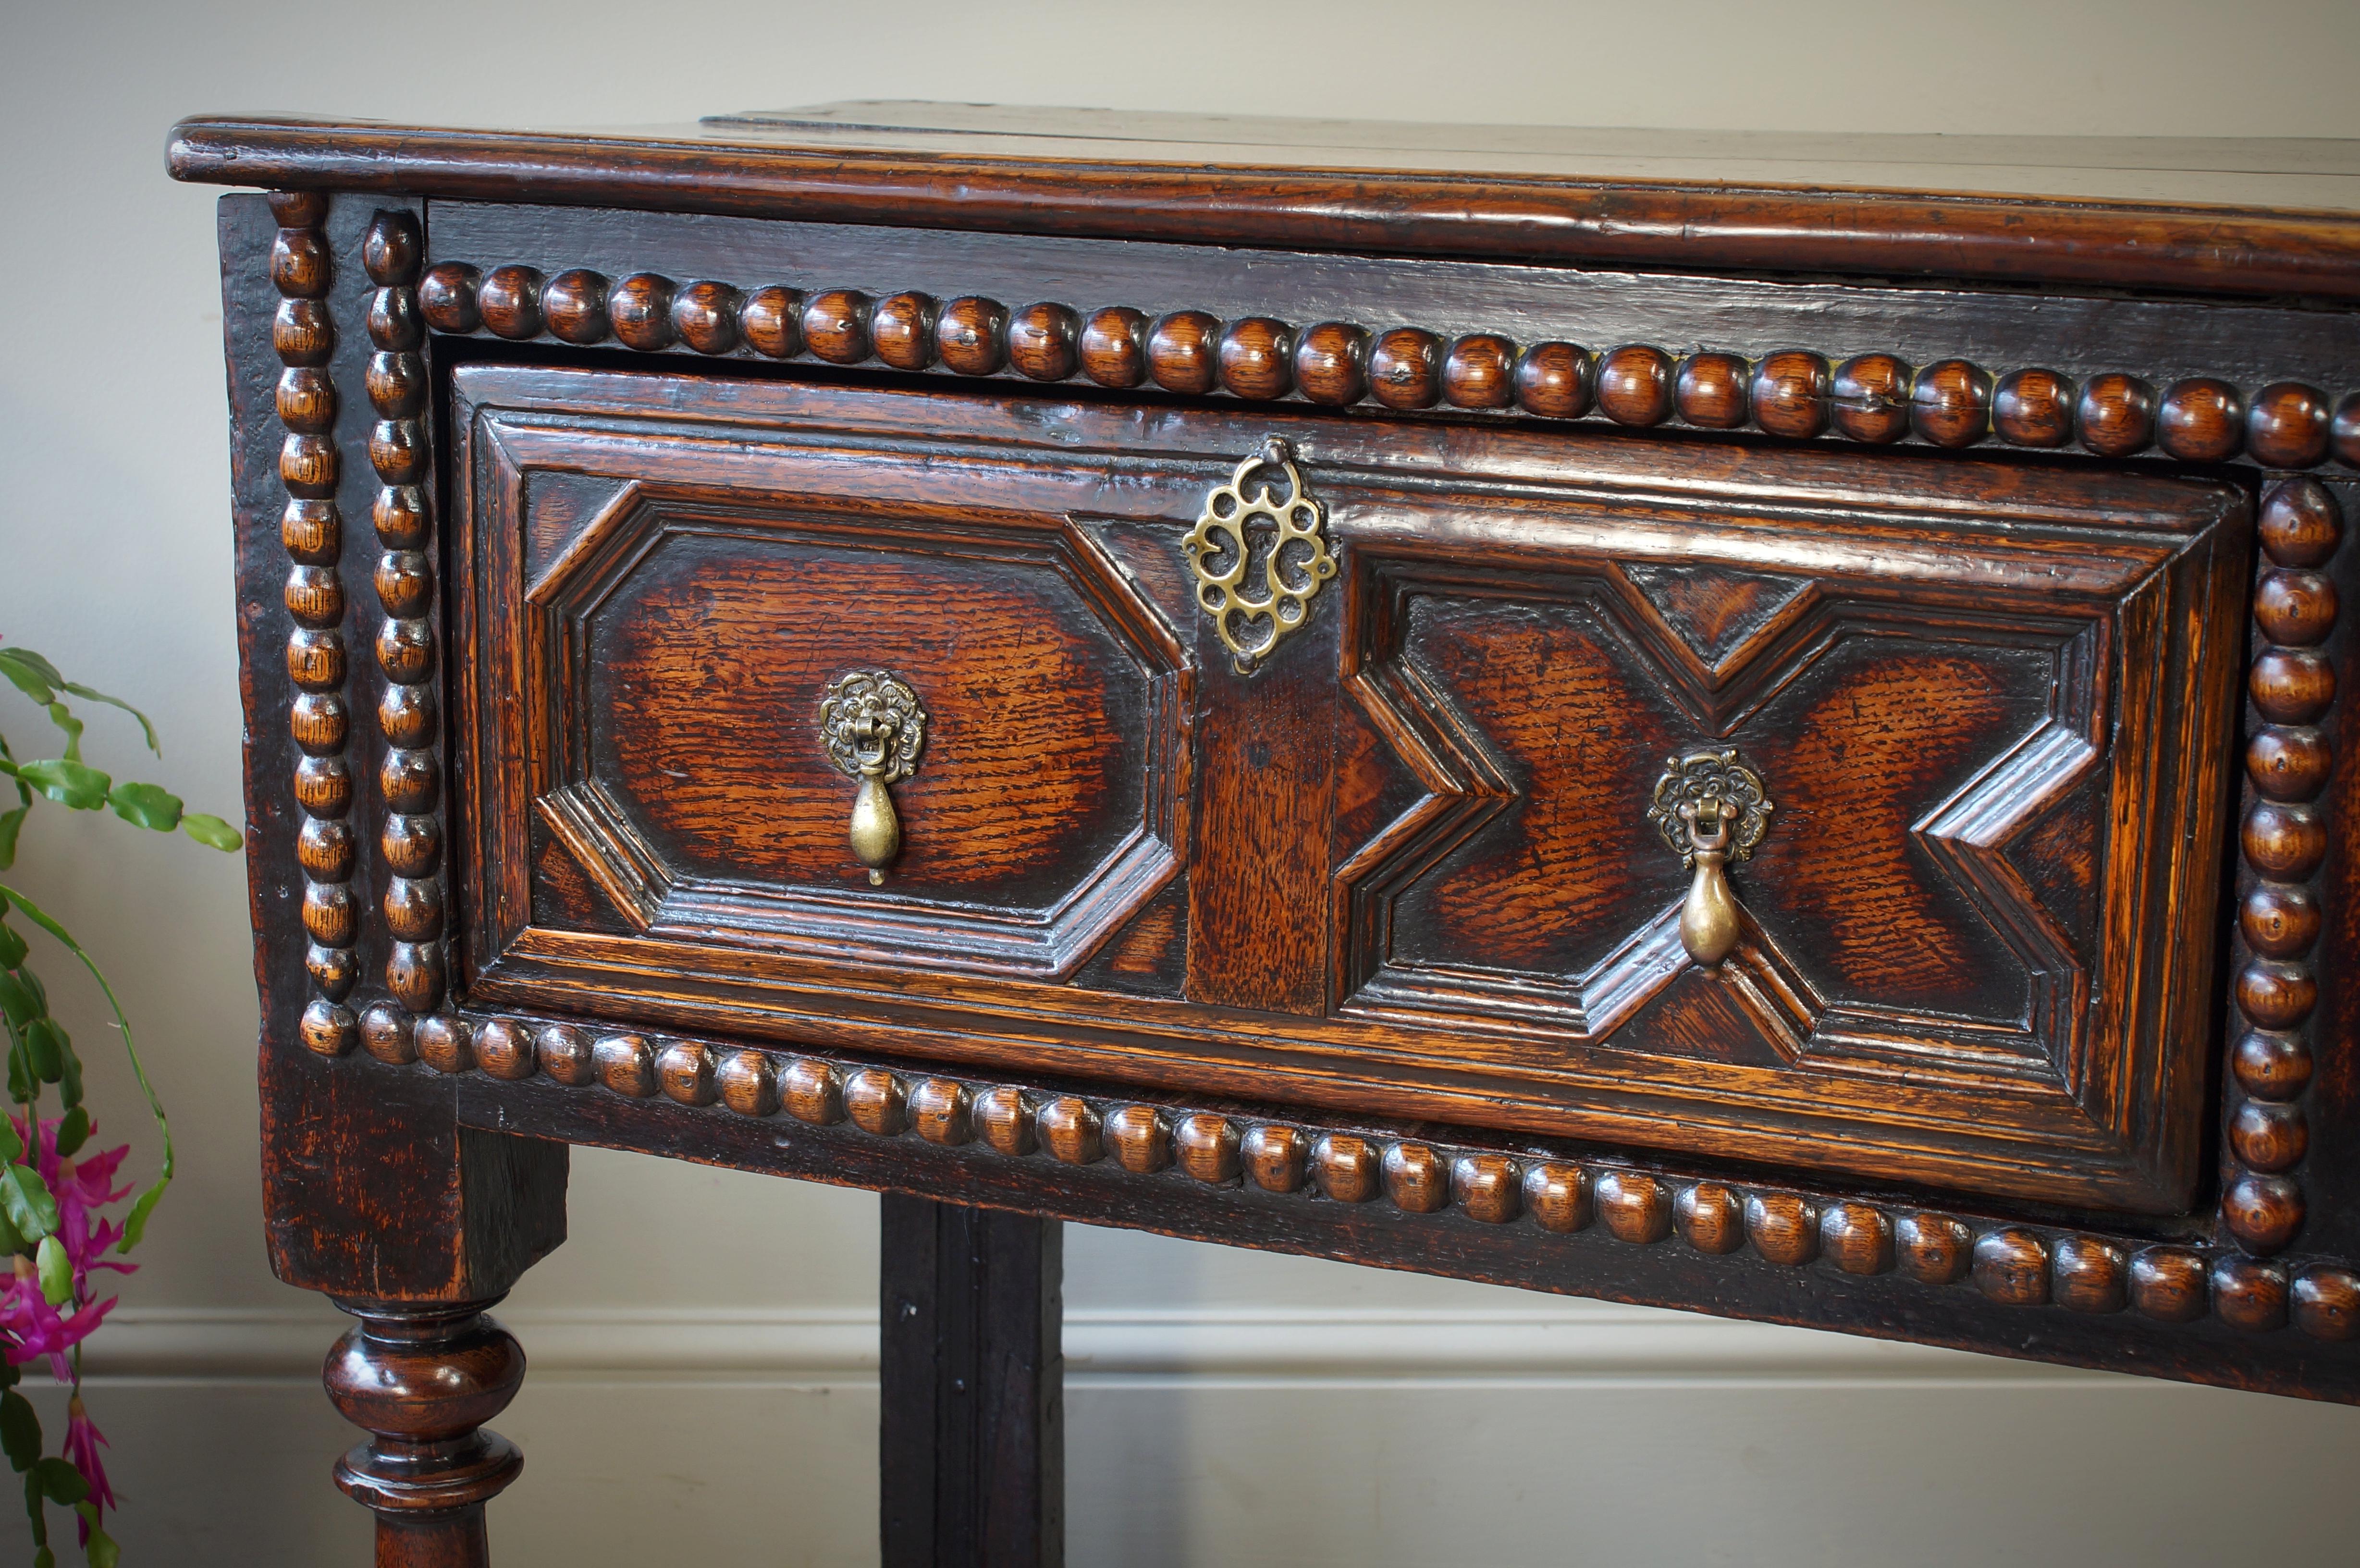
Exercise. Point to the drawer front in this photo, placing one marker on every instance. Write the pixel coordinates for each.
(1422, 856)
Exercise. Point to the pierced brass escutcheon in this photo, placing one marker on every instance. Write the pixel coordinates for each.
(874, 727)
(1712, 811)
(1221, 551)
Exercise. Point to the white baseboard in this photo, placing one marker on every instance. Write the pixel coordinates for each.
(1584, 1341)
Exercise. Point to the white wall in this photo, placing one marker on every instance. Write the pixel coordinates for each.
(703, 1382)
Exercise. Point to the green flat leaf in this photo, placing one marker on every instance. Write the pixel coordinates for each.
(26, 1201)
(69, 1081)
(20, 1431)
(62, 1481)
(12, 1145)
(47, 1044)
(86, 694)
(32, 984)
(102, 1551)
(71, 727)
(66, 782)
(12, 946)
(11, 824)
(11, 1243)
(73, 1131)
(56, 1269)
(17, 999)
(20, 1082)
(30, 673)
(146, 805)
(212, 832)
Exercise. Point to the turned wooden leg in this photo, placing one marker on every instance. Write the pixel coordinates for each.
(972, 1451)
(422, 1379)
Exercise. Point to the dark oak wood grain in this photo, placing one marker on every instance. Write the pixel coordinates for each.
(1806, 797)
(972, 1390)
(1176, 192)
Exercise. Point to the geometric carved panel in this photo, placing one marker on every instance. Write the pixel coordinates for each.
(678, 641)
(1948, 763)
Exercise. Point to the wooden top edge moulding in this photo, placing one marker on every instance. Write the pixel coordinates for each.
(2207, 217)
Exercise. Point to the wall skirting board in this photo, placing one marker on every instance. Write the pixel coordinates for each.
(1583, 1340)
(1384, 1438)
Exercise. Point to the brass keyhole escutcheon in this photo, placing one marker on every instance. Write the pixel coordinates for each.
(1712, 811)
(1221, 552)
(874, 728)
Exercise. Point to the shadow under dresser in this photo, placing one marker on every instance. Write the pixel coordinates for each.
(1620, 712)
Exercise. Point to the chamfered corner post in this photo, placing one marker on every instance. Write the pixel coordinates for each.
(972, 1435)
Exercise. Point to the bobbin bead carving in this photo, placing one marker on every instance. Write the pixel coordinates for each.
(1417, 1179)
(1790, 394)
(1346, 1168)
(1633, 1206)
(876, 1102)
(1710, 1217)
(1557, 1195)
(1930, 1248)
(2325, 1303)
(1113, 348)
(747, 1083)
(1634, 386)
(1869, 398)
(1277, 1157)
(1140, 1142)
(938, 1109)
(1208, 1148)
(1331, 364)
(1711, 391)
(1480, 372)
(2170, 1286)
(1405, 368)
(1005, 1120)
(1043, 341)
(1553, 381)
(1487, 1187)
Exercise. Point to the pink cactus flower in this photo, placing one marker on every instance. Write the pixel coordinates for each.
(84, 1440)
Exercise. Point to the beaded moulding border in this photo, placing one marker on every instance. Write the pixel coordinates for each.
(303, 335)
(2239, 1279)
(1872, 398)
(2012, 1265)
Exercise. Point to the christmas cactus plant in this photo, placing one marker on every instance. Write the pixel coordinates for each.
(61, 1227)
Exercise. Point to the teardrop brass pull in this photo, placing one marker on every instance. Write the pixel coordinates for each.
(1711, 809)
(874, 727)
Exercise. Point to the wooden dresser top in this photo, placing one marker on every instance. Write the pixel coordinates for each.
(2247, 217)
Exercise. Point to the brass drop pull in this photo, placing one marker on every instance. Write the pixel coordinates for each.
(1295, 561)
(874, 727)
(1711, 809)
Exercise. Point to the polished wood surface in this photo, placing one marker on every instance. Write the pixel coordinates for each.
(592, 469)
(2025, 210)
(972, 1388)
(1992, 704)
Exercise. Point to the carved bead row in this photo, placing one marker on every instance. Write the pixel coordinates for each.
(2011, 1265)
(311, 528)
(410, 779)
(1873, 397)
(2292, 686)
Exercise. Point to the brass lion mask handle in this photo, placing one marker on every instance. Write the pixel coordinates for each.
(1712, 811)
(874, 728)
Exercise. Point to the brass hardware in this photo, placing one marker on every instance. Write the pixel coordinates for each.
(1711, 809)
(1220, 549)
(874, 727)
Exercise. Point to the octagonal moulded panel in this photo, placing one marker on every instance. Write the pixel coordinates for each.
(679, 613)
